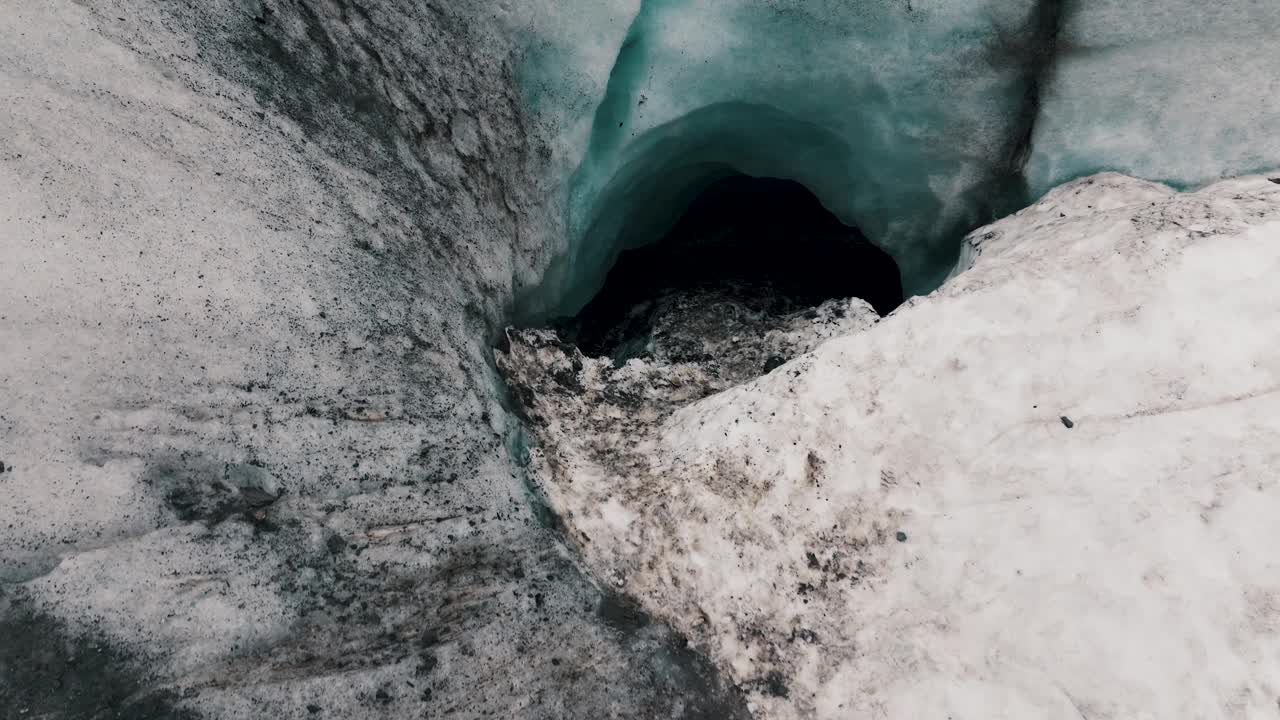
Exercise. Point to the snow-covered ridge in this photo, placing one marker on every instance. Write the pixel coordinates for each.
(1045, 490)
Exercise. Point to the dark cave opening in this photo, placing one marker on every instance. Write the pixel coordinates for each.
(765, 243)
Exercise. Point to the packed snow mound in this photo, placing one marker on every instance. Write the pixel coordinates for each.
(1045, 490)
(914, 121)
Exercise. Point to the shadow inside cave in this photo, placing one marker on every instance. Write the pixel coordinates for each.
(766, 243)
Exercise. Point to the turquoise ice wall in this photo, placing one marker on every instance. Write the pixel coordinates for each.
(914, 120)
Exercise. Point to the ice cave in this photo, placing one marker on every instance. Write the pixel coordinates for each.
(639, 359)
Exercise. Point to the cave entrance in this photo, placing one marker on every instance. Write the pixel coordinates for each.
(744, 245)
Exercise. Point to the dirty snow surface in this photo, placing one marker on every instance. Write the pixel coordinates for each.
(255, 463)
(1047, 490)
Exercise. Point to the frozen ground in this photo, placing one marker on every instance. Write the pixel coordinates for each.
(1047, 490)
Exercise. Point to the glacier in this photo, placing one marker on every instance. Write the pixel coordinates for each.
(914, 121)
(257, 457)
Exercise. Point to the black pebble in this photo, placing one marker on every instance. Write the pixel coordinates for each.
(1275, 180)
(313, 709)
(902, 537)
(1, 467)
(773, 363)
(1066, 421)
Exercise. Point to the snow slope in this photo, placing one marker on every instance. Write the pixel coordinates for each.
(1046, 490)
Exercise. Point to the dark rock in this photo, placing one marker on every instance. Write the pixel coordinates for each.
(1066, 422)
(901, 536)
(1275, 180)
(313, 709)
(426, 663)
(773, 363)
(200, 488)
(622, 613)
(803, 634)
(257, 486)
(775, 685)
(429, 639)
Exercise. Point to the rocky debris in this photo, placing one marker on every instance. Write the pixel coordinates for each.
(257, 486)
(735, 338)
(702, 342)
(727, 333)
(596, 412)
(197, 489)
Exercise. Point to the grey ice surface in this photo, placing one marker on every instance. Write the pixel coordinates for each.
(256, 458)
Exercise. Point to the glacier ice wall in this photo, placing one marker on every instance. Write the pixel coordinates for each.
(914, 120)
(1180, 92)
